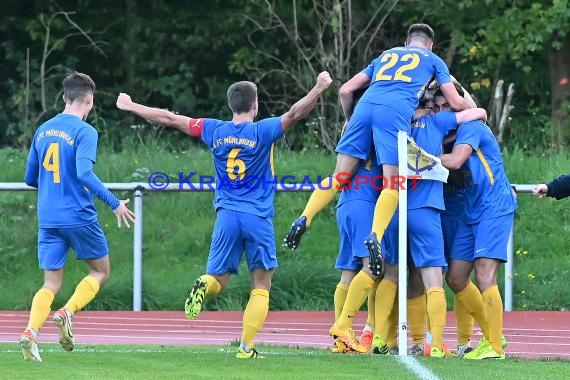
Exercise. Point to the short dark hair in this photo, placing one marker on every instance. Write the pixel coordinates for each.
(77, 86)
(241, 96)
(420, 31)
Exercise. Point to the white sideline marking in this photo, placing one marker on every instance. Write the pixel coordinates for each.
(419, 370)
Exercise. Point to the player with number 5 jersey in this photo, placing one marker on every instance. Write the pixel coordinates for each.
(241, 150)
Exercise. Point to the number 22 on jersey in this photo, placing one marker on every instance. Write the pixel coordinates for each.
(391, 59)
(51, 161)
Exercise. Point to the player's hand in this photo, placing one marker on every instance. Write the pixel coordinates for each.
(324, 80)
(124, 214)
(124, 101)
(540, 191)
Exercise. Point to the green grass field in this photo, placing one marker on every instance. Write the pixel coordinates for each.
(218, 362)
(177, 230)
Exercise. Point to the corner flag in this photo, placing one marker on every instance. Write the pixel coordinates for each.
(422, 163)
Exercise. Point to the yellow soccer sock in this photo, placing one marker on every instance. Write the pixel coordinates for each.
(464, 322)
(357, 294)
(371, 304)
(494, 304)
(417, 318)
(254, 315)
(384, 210)
(339, 298)
(436, 309)
(320, 198)
(392, 325)
(41, 306)
(85, 291)
(214, 287)
(385, 295)
(472, 301)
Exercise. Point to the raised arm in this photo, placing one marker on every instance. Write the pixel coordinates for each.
(156, 115)
(305, 105)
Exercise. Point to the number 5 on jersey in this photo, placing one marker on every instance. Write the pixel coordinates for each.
(51, 161)
(233, 163)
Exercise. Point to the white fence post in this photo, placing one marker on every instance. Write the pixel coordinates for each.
(402, 245)
(509, 271)
(137, 251)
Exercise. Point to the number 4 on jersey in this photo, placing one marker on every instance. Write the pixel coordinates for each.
(51, 161)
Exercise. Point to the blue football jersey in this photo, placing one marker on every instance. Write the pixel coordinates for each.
(62, 200)
(487, 189)
(428, 132)
(454, 199)
(365, 184)
(243, 163)
(399, 77)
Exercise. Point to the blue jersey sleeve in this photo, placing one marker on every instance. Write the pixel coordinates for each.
(88, 179)
(446, 121)
(208, 131)
(270, 129)
(441, 71)
(369, 70)
(86, 144)
(469, 133)
(32, 167)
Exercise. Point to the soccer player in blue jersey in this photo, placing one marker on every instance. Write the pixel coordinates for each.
(355, 209)
(242, 155)
(425, 202)
(394, 83)
(60, 166)
(451, 218)
(482, 239)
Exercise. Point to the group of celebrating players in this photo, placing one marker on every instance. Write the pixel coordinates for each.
(452, 229)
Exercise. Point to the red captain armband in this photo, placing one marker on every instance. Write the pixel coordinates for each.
(195, 127)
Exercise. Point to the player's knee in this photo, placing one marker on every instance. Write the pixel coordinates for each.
(53, 286)
(101, 275)
(455, 282)
(485, 281)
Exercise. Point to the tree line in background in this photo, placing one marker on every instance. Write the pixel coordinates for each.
(182, 55)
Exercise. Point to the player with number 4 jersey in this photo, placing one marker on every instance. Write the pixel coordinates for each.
(242, 150)
(60, 166)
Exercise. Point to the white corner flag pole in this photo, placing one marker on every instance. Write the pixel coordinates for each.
(403, 245)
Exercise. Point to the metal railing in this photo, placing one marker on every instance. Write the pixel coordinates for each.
(140, 187)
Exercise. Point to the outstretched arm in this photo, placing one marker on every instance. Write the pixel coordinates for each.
(558, 188)
(156, 115)
(305, 105)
